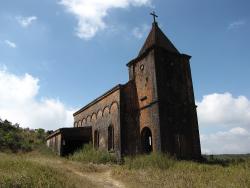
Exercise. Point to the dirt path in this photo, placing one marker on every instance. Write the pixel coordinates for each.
(101, 178)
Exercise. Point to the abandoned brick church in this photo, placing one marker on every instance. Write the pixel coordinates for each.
(154, 111)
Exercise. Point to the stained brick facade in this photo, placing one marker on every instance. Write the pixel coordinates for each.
(154, 111)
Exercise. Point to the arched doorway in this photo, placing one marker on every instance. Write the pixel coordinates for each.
(146, 140)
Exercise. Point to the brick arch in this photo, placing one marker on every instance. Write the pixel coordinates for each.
(105, 111)
(114, 107)
(93, 117)
(75, 124)
(83, 121)
(99, 114)
(79, 124)
(88, 119)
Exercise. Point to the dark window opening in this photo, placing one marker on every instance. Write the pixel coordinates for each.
(110, 137)
(96, 139)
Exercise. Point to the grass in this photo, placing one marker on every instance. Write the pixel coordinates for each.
(17, 172)
(157, 170)
(42, 168)
(90, 155)
(154, 160)
(29, 170)
(161, 170)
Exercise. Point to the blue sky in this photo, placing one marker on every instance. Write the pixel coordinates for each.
(69, 52)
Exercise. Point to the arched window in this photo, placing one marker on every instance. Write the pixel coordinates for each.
(75, 124)
(110, 137)
(146, 140)
(96, 139)
(80, 123)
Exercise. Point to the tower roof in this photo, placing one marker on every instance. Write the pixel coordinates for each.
(157, 38)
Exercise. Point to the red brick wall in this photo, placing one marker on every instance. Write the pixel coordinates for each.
(101, 115)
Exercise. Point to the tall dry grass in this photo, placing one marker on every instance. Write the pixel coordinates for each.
(90, 155)
(42, 168)
(157, 170)
(23, 170)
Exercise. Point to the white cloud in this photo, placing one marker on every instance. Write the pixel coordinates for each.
(233, 141)
(139, 32)
(224, 110)
(26, 21)
(236, 24)
(19, 103)
(10, 44)
(91, 13)
(232, 114)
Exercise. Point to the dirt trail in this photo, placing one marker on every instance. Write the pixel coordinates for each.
(101, 178)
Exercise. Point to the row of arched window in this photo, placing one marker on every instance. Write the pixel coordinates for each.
(100, 113)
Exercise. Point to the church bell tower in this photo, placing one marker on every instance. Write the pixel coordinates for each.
(167, 114)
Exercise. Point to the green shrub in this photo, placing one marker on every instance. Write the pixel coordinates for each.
(153, 160)
(16, 139)
(89, 154)
(225, 160)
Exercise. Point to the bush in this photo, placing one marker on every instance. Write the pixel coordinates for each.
(89, 154)
(154, 160)
(224, 160)
(16, 139)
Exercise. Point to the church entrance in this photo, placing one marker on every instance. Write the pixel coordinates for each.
(146, 140)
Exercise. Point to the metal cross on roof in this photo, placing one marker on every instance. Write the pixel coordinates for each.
(154, 15)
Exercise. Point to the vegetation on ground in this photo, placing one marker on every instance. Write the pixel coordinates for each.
(213, 172)
(90, 155)
(16, 139)
(154, 160)
(45, 169)
(33, 170)
(162, 170)
(25, 161)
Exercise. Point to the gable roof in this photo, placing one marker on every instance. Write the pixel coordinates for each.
(157, 38)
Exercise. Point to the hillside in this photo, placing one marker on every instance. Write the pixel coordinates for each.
(16, 139)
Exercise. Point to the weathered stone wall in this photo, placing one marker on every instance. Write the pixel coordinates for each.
(100, 114)
(130, 127)
(55, 143)
(165, 103)
(177, 106)
(194, 128)
(142, 71)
